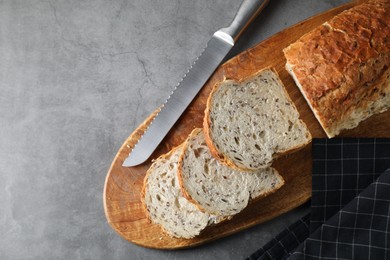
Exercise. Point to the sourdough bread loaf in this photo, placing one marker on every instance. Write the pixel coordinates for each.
(343, 66)
(216, 188)
(248, 123)
(165, 204)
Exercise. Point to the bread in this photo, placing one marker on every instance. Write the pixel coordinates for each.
(164, 203)
(216, 188)
(343, 66)
(250, 122)
(167, 192)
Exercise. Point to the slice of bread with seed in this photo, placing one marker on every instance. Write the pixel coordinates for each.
(216, 188)
(164, 203)
(250, 122)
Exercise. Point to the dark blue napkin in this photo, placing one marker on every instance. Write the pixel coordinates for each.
(349, 208)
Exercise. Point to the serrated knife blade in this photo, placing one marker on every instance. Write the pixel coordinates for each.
(204, 66)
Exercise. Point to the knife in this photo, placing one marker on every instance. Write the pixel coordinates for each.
(217, 48)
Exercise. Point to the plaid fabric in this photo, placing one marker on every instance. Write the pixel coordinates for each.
(360, 230)
(342, 168)
(289, 239)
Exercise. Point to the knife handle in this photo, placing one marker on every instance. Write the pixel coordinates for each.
(248, 10)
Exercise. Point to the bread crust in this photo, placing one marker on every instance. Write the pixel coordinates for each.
(343, 65)
(207, 122)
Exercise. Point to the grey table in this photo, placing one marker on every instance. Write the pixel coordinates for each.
(76, 77)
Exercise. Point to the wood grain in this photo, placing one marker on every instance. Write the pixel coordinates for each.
(122, 189)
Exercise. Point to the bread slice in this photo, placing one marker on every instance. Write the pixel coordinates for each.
(216, 188)
(342, 67)
(250, 122)
(164, 203)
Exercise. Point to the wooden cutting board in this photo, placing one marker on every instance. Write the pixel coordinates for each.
(123, 185)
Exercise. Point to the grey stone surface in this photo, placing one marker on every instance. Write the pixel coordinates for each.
(76, 77)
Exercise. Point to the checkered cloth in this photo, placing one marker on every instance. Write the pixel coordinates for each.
(283, 244)
(348, 219)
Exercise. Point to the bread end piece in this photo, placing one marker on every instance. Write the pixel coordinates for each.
(342, 67)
